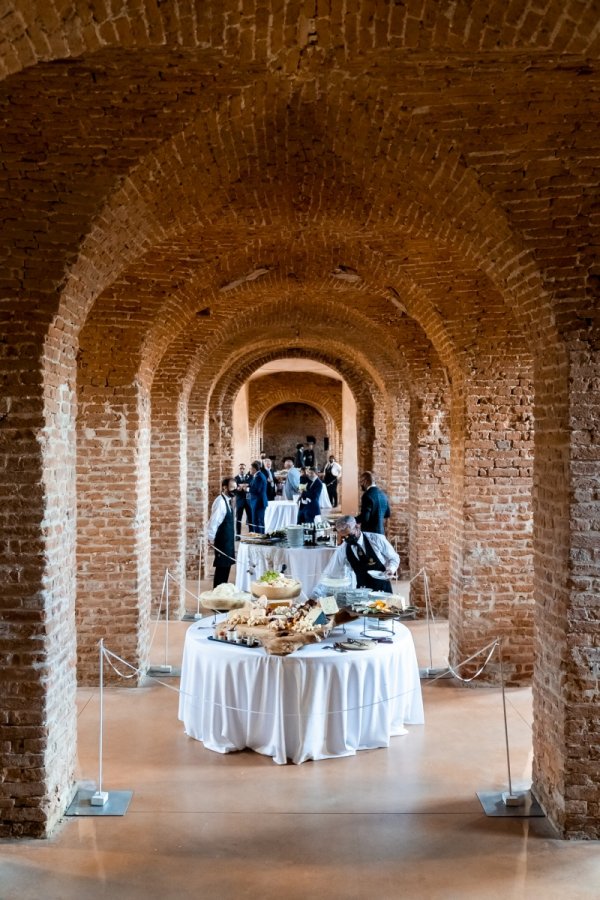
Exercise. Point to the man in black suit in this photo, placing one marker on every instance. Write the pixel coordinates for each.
(242, 506)
(310, 505)
(309, 454)
(374, 506)
(267, 470)
(220, 533)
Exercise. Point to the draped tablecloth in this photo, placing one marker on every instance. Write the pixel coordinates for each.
(316, 703)
(304, 563)
(280, 513)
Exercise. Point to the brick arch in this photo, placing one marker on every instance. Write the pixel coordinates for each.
(561, 381)
(296, 391)
(382, 419)
(165, 216)
(257, 432)
(37, 33)
(291, 393)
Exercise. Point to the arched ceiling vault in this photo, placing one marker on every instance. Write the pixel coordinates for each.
(438, 143)
(362, 379)
(436, 224)
(288, 317)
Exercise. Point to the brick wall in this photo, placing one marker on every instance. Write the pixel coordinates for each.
(386, 191)
(323, 396)
(491, 584)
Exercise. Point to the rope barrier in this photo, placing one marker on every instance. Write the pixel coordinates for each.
(199, 704)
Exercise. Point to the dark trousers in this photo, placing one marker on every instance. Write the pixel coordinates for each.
(221, 575)
(239, 512)
(258, 519)
(332, 492)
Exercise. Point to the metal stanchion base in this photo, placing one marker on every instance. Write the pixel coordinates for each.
(504, 805)
(433, 672)
(86, 802)
(164, 671)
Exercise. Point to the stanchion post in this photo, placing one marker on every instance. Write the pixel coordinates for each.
(508, 798)
(166, 668)
(507, 803)
(167, 622)
(100, 797)
(430, 671)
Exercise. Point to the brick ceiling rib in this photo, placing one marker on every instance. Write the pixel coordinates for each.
(289, 321)
(440, 171)
(222, 388)
(424, 225)
(319, 391)
(289, 34)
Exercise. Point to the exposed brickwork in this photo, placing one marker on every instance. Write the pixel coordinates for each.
(491, 550)
(405, 193)
(323, 396)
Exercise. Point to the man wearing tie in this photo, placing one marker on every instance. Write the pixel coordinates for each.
(242, 479)
(257, 497)
(220, 531)
(362, 553)
(267, 470)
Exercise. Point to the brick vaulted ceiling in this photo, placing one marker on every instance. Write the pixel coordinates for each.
(445, 154)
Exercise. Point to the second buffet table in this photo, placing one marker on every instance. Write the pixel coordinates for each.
(316, 703)
(280, 513)
(304, 563)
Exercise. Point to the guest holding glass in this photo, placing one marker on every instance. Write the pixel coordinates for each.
(310, 498)
(257, 497)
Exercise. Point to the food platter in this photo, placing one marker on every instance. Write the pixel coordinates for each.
(375, 573)
(265, 540)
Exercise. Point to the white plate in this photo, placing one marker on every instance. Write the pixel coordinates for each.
(375, 573)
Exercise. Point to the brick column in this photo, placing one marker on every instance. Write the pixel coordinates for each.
(113, 501)
(429, 497)
(197, 488)
(168, 478)
(491, 585)
(567, 563)
(393, 479)
(37, 572)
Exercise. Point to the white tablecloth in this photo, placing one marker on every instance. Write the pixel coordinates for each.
(280, 513)
(314, 704)
(305, 564)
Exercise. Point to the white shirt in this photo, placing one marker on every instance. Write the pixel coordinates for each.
(221, 506)
(338, 566)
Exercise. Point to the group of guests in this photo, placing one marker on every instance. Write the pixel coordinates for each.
(254, 489)
(251, 491)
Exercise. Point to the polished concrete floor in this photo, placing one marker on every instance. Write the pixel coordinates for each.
(389, 823)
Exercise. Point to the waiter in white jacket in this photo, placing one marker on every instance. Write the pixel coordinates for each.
(362, 553)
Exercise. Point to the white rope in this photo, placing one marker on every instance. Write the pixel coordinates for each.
(199, 704)
(493, 646)
(162, 594)
(178, 583)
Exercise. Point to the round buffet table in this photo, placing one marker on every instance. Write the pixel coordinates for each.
(316, 703)
(304, 563)
(279, 514)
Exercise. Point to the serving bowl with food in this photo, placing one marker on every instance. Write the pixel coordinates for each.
(275, 586)
(224, 598)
